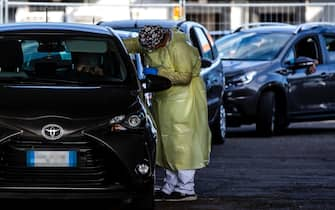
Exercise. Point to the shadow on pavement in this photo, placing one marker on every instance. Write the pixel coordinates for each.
(294, 130)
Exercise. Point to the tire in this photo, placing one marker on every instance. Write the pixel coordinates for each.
(271, 115)
(219, 127)
(145, 201)
(266, 117)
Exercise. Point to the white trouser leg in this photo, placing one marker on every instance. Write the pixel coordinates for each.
(170, 180)
(185, 182)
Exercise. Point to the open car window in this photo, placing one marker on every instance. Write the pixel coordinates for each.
(72, 59)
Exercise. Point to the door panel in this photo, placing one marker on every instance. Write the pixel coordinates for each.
(329, 46)
(213, 74)
(306, 92)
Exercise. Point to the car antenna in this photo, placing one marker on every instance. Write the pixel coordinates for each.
(93, 19)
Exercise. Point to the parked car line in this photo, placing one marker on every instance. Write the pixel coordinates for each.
(268, 81)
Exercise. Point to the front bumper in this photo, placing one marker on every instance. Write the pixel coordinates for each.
(240, 105)
(106, 167)
(112, 192)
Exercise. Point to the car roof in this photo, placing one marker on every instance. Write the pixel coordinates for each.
(272, 29)
(140, 23)
(316, 26)
(295, 29)
(125, 34)
(61, 27)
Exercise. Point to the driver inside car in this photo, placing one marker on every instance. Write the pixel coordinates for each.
(89, 64)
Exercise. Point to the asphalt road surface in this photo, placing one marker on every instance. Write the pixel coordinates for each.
(293, 171)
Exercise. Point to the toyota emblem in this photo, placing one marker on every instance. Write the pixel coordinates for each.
(52, 132)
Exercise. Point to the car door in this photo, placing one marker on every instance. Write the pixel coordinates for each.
(328, 44)
(211, 72)
(305, 91)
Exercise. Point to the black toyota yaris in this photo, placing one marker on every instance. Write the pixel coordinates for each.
(73, 118)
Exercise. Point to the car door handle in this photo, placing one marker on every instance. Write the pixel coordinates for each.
(284, 71)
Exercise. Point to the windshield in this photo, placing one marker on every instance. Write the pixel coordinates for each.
(251, 46)
(61, 60)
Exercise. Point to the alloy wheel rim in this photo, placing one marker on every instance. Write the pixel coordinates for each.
(222, 121)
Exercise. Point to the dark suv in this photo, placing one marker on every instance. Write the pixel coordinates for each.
(73, 118)
(211, 71)
(267, 77)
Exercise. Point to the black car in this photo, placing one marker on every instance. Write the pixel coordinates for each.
(70, 133)
(268, 77)
(211, 72)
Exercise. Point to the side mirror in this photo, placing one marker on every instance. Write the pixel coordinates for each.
(205, 63)
(301, 62)
(154, 83)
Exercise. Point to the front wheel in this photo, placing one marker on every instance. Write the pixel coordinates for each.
(270, 115)
(266, 114)
(219, 127)
(143, 202)
(143, 199)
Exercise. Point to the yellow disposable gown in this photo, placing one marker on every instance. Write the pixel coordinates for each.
(180, 111)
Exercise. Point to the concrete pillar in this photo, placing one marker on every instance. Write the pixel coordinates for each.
(238, 15)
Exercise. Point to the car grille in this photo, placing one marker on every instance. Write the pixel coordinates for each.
(91, 171)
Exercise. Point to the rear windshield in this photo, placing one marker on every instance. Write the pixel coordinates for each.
(80, 59)
(251, 46)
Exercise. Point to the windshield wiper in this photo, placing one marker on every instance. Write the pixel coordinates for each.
(54, 81)
(20, 80)
(49, 81)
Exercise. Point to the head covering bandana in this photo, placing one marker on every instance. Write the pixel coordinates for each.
(150, 36)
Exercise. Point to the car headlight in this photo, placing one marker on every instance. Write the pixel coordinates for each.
(131, 121)
(244, 79)
(117, 119)
(134, 120)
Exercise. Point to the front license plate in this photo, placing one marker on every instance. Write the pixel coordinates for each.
(51, 158)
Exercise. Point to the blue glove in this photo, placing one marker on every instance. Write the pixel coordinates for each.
(150, 70)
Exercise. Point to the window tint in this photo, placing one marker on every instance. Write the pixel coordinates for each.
(212, 42)
(136, 58)
(204, 44)
(76, 59)
(330, 46)
(307, 47)
(290, 56)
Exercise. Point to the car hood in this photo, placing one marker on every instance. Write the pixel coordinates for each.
(26, 110)
(74, 102)
(234, 67)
